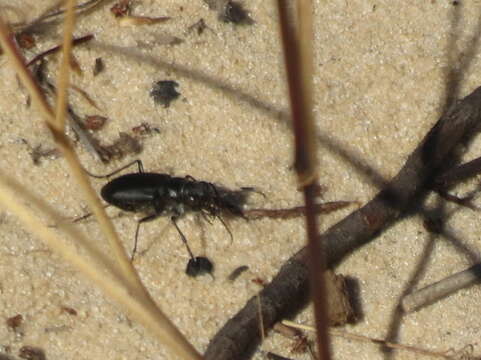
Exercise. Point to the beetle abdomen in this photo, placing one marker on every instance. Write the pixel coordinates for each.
(134, 192)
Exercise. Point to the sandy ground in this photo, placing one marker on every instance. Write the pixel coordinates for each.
(380, 80)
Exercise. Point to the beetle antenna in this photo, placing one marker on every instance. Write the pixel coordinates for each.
(138, 162)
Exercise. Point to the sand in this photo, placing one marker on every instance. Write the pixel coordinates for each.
(380, 79)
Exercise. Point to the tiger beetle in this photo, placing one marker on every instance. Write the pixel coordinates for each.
(157, 195)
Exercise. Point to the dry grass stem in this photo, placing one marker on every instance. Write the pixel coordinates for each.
(130, 292)
(40, 101)
(145, 312)
(63, 74)
(297, 46)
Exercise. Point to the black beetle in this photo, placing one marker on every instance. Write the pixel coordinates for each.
(164, 195)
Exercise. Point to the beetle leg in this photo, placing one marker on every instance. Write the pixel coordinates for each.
(226, 227)
(182, 236)
(144, 219)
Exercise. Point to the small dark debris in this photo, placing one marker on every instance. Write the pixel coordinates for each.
(234, 12)
(456, 3)
(37, 153)
(145, 129)
(69, 310)
(199, 27)
(99, 66)
(94, 122)
(121, 8)
(15, 321)
(31, 353)
(237, 272)
(163, 92)
(25, 40)
(199, 265)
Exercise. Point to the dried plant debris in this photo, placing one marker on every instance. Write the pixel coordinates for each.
(51, 16)
(145, 129)
(301, 342)
(55, 49)
(38, 153)
(31, 353)
(237, 272)
(99, 66)
(297, 211)
(121, 8)
(340, 310)
(199, 27)
(131, 20)
(69, 310)
(94, 122)
(85, 96)
(163, 92)
(25, 40)
(14, 322)
(121, 147)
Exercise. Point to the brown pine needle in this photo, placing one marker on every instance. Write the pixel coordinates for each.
(55, 49)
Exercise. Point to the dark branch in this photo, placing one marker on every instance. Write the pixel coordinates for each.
(286, 294)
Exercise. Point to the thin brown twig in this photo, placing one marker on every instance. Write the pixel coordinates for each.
(297, 211)
(51, 15)
(75, 41)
